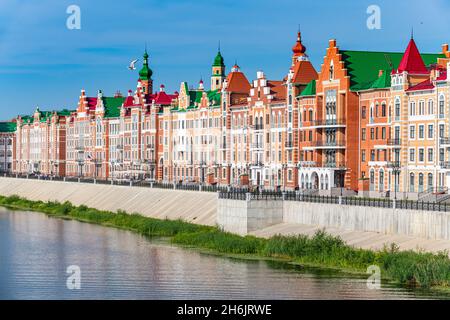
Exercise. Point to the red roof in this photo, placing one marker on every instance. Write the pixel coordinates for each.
(92, 103)
(304, 72)
(238, 83)
(163, 98)
(277, 89)
(427, 84)
(412, 61)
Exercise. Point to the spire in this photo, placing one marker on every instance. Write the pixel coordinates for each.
(146, 72)
(299, 49)
(412, 61)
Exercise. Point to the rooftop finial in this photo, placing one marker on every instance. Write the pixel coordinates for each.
(412, 33)
(218, 49)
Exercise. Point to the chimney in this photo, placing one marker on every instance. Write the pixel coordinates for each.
(380, 73)
(332, 43)
(445, 50)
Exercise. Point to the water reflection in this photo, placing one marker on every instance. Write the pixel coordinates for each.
(115, 264)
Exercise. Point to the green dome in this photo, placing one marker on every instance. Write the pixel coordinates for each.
(218, 60)
(145, 73)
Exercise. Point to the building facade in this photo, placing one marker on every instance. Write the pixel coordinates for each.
(7, 140)
(370, 122)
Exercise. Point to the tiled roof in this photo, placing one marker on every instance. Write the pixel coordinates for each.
(304, 72)
(162, 98)
(412, 61)
(363, 66)
(310, 89)
(238, 83)
(8, 126)
(112, 106)
(277, 89)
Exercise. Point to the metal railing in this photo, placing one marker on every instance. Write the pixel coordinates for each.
(349, 201)
(394, 142)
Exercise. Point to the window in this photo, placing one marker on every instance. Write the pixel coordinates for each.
(363, 134)
(430, 131)
(363, 113)
(412, 132)
(430, 155)
(372, 133)
(412, 155)
(430, 181)
(441, 154)
(397, 109)
(411, 182)
(420, 182)
(372, 155)
(383, 133)
(421, 131)
(430, 107)
(412, 108)
(441, 130)
(363, 156)
(421, 155)
(441, 106)
(383, 110)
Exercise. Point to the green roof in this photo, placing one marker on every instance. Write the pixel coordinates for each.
(64, 112)
(310, 89)
(8, 126)
(112, 106)
(383, 81)
(218, 60)
(195, 98)
(145, 73)
(364, 66)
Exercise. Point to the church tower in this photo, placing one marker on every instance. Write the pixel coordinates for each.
(145, 76)
(218, 72)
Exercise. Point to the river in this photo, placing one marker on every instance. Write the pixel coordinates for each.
(36, 250)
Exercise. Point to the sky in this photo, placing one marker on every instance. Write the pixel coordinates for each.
(43, 63)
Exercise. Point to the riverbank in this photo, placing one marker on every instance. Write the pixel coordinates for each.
(406, 267)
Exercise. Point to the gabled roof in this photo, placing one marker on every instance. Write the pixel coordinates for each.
(304, 72)
(162, 98)
(112, 106)
(277, 89)
(363, 66)
(237, 82)
(383, 81)
(310, 89)
(8, 126)
(412, 61)
(428, 84)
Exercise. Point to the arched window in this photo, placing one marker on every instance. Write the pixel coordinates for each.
(420, 182)
(441, 106)
(411, 182)
(381, 181)
(397, 109)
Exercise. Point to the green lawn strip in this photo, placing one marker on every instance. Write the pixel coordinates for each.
(323, 250)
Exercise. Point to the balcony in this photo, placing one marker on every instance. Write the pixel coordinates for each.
(444, 141)
(257, 164)
(394, 142)
(329, 144)
(394, 165)
(257, 146)
(444, 164)
(325, 123)
(335, 164)
(307, 164)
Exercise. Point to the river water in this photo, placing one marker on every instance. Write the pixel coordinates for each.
(36, 251)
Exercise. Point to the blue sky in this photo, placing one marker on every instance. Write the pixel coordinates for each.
(42, 63)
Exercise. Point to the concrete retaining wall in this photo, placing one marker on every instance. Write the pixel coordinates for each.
(423, 224)
(242, 217)
(191, 206)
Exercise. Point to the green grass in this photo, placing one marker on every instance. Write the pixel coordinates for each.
(405, 267)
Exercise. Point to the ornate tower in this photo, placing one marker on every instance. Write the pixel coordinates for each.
(298, 50)
(218, 72)
(145, 76)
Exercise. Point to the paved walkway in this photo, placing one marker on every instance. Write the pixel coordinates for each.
(358, 239)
